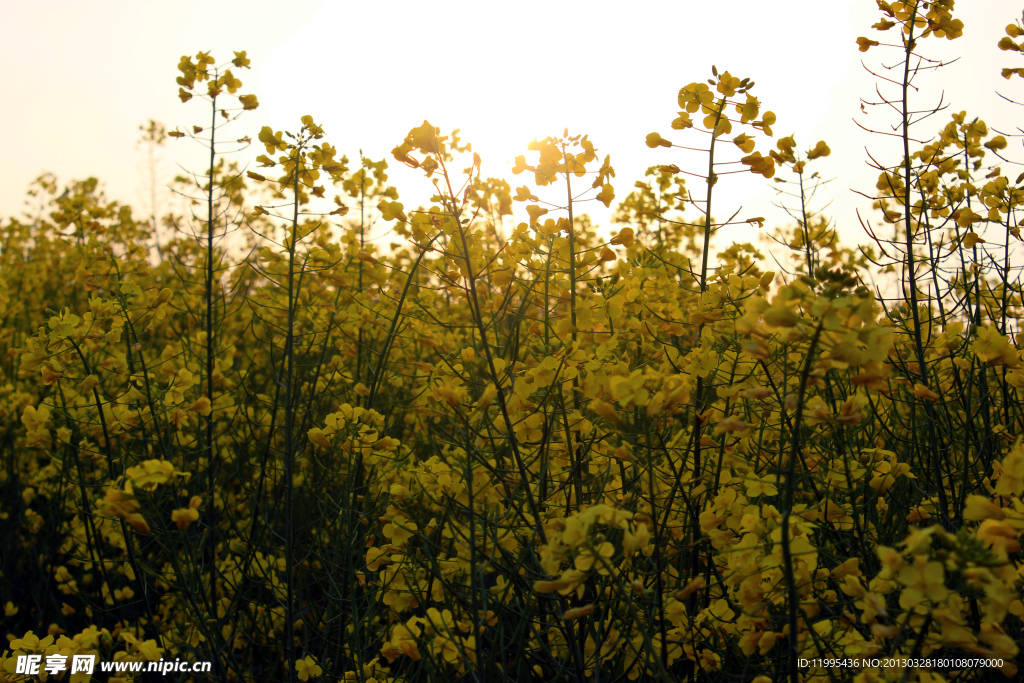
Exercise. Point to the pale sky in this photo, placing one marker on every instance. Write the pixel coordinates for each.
(80, 77)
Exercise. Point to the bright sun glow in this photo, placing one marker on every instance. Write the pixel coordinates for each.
(370, 72)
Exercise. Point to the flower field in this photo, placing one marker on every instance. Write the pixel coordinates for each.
(502, 443)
